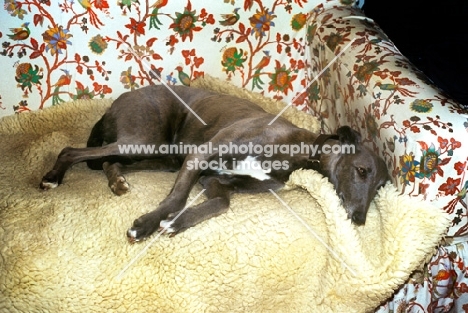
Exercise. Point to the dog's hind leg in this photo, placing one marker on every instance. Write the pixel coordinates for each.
(70, 156)
(117, 182)
(218, 195)
(96, 140)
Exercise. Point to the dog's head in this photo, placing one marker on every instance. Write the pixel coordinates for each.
(356, 172)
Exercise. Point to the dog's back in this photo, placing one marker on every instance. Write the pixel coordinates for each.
(182, 115)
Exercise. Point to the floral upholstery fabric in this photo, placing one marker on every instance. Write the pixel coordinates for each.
(54, 51)
(323, 57)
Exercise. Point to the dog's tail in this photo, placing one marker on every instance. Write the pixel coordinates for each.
(96, 140)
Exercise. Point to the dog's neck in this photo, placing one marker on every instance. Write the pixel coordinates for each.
(315, 160)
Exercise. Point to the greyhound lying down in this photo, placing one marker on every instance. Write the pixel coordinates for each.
(236, 151)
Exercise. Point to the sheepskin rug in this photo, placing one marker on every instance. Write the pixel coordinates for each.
(65, 250)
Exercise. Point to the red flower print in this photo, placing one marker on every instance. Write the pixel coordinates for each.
(442, 275)
(172, 41)
(198, 61)
(443, 142)
(136, 27)
(101, 88)
(460, 167)
(101, 4)
(450, 187)
(208, 18)
(455, 144)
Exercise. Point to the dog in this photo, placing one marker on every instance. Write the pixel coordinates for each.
(162, 116)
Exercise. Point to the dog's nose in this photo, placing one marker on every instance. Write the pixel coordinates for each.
(359, 218)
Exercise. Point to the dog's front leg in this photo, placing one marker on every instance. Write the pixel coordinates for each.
(218, 195)
(148, 223)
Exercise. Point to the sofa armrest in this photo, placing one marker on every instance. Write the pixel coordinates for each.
(372, 87)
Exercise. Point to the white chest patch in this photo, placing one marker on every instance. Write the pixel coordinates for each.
(248, 167)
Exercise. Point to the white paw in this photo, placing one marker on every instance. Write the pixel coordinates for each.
(48, 185)
(132, 236)
(165, 226)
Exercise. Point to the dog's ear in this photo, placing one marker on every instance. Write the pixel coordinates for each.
(348, 135)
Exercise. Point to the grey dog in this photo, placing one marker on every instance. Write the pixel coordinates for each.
(154, 115)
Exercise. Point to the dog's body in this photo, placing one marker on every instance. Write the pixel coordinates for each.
(154, 116)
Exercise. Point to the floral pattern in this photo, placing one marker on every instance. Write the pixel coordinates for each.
(55, 39)
(284, 49)
(76, 55)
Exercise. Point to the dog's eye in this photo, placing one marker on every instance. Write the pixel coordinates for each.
(362, 172)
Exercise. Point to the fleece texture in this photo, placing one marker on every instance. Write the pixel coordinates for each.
(65, 250)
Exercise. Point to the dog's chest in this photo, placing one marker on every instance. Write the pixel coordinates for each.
(250, 166)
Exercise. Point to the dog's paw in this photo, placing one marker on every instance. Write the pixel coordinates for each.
(133, 236)
(173, 224)
(166, 227)
(143, 227)
(119, 185)
(49, 181)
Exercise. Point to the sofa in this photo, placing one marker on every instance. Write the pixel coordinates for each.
(325, 58)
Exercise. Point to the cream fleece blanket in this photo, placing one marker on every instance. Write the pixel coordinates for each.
(65, 250)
